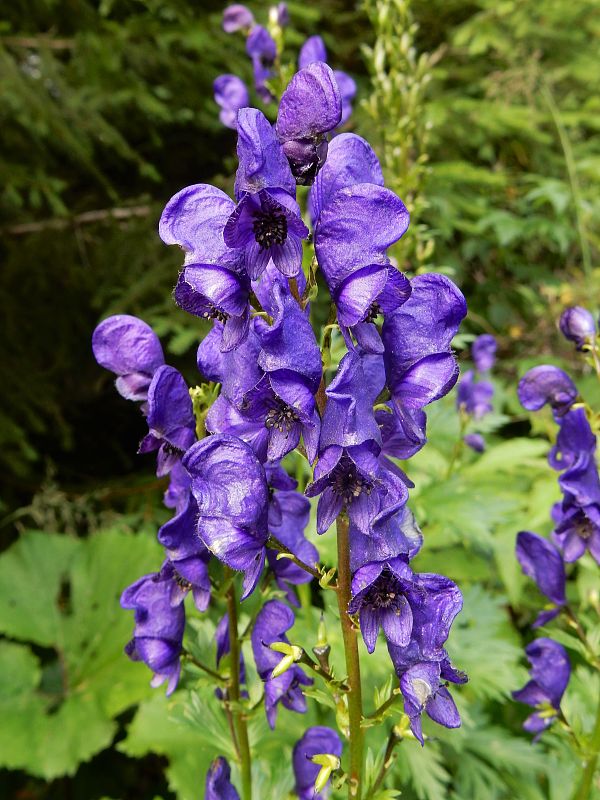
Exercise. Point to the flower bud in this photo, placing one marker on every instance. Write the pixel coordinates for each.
(577, 325)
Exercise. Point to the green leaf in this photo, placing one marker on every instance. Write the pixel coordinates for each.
(423, 768)
(63, 593)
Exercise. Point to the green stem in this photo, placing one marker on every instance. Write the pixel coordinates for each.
(352, 662)
(573, 179)
(585, 786)
(234, 693)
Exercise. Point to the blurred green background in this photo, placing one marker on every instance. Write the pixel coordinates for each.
(488, 127)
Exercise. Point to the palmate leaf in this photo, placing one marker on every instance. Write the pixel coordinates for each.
(63, 594)
(422, 768)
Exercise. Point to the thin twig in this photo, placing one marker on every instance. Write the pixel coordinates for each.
(86, 218)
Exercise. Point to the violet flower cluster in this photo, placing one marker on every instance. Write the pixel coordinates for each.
(263, 47)
(236, 509)
(576, 517)
(474, 392)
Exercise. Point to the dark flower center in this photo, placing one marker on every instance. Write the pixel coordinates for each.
(170, 449)
(373, 312)
(181, 581)
(282, 417)
(215, 313)
(386, 592)
(584, 528)
(347, 482)
(270, 229)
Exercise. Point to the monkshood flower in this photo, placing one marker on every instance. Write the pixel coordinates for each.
(218, 782)
(483, 352)
(424, 688)
(541, 561)
(261, 161)
(353, 479)
(194, 219)
(216, 293)
(289, 513)
(187, 557)
(159, 625)
(547, 384)
(578, 326)
(389, 595)
(419, 363)
(474, 397)
(236, 370)
(310, 107)
(170, 419)
(231, 94)
(349, 474)
(475, 441)
(272, 622)
(550, 672)
(178, 493)
(230, 488)
(575, 444)
(577, 529)
(393, 537)
(128, 347)
(237, 17)
(314, 50)
(266, 223)
(317, 740)
(350, 160)
(262, 49)
(352, 235)
(282, 14)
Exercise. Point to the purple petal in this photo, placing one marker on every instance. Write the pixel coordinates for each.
(310, 105)
(262, 163)
(442, 709)
(547, 384)
(540, 560)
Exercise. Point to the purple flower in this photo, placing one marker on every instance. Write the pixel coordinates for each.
(262, 162)
(159, 625)
(424, 688)
(194, 219)
(580, 479)
(128, 347)
(178, 493)
(267, 225)
(388, 595)
(283, 15)
(272, 622)
(419, 362)
(262, 49)
(310, 107)
(187, 557)
(550, 672)
(231, 94)
(317, 740)
(170, 419)
(230, 488)
(350, 160)
(217, 293)
(483, 351)
(218, 782)
(398, 535)
(314, 50)
(289, 513)
(474, 397)
(541, 561)
(353, 478)
(236, 370)
(575, 442)
(578, 325)
(236, 17)
(475, 441)
(547, 384)
(577, 529)
(352, 235)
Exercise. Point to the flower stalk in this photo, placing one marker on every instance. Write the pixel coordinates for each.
(349, 635)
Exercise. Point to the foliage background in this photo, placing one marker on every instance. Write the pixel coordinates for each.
(490, 132)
